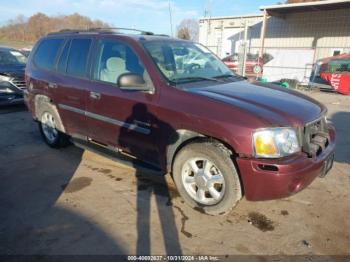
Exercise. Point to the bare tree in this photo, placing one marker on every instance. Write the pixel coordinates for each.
(188, 29)
(183, 33)
(38, 25)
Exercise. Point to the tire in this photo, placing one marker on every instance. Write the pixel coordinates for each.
(219, 163)
(47, 111)
(257, 69)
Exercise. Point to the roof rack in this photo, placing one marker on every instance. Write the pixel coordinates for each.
(162, 35)
(101, 30)
(121, 28)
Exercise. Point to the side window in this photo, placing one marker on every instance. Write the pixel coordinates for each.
(78, 57)
(114, 59)
(62, 63)
(46, 53)
(339, 66)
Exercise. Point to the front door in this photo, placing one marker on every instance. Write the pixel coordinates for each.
(115, 117)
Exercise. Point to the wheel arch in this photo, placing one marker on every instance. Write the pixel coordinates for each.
(185, 137)
(39, 102)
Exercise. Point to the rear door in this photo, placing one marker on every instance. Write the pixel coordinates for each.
(116, 117)
(43, 75)
(73, 84)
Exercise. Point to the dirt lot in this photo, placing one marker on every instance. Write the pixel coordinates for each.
(74, 202)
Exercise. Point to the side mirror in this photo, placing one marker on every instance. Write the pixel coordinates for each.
(132, 82)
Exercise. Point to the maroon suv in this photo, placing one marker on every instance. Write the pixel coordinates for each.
(176, 106)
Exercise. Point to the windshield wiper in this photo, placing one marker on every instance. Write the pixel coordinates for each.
(189, 78)
(229, 75)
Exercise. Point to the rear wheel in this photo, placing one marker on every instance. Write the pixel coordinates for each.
(206, 177)
(49, 122)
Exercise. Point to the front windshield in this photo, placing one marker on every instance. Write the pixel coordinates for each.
(181, 61)
(12, 57)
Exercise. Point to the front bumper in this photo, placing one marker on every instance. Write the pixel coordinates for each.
(11, 99)
(265, 179)
(15, 96)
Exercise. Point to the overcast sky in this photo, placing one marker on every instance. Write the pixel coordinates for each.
(151, 15)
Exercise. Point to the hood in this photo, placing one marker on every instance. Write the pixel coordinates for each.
(12, 70)
(272, 104)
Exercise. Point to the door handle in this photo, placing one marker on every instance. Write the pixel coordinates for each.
(52, 85)
(95, 95)
(141, 123)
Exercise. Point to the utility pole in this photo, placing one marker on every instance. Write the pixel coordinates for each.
(263, 34)
(245, 47)
(207, 13)
(171, 19)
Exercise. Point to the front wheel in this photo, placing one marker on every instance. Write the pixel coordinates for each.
(206, 178)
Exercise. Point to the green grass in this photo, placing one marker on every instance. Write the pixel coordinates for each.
(14, 44)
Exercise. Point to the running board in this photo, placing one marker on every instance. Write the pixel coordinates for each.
(116, 155)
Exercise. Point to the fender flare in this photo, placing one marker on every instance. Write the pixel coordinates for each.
(39, 102)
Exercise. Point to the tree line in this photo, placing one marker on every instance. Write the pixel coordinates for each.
(32, 28)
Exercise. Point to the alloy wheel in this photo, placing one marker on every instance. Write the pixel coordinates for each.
(48, 124)
(203, 181)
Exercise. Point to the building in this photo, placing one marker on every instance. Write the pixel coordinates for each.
(295, 35)
(222, 35)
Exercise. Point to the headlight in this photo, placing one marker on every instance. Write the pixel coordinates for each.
(5, 84)
(5, 90)
(4, 78)
(275, 142)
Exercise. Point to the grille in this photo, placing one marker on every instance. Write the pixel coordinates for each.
(315, 137)
(19, 82)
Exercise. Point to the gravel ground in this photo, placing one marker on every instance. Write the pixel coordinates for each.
(74, 202)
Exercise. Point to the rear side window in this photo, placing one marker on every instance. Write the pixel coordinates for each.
(46, 54)
(78, 57)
